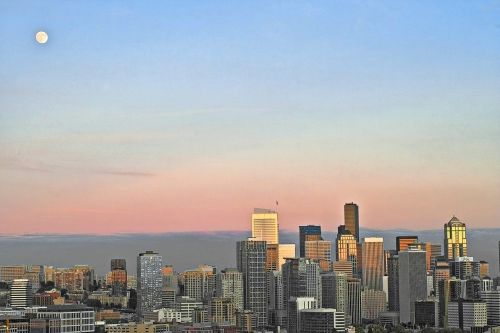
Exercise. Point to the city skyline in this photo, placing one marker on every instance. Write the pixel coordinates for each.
(183, 119)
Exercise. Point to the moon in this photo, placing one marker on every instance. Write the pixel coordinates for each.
(41, 37)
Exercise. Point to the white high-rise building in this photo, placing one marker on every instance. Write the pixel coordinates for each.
(149, 282)
(21, 294)
(265, 225)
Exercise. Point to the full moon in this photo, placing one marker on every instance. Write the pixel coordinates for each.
(41, 37)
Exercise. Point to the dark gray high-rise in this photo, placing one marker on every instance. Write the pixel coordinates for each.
(251, 261)
(351, 219)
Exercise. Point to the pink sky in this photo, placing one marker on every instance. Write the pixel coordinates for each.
(222, 198)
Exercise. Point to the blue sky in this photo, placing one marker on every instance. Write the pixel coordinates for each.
(344, 99)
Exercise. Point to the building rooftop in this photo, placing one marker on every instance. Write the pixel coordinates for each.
(65, 308)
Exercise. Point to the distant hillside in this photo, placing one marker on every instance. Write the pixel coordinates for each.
(187, 250)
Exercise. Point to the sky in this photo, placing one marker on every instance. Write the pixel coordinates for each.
(161, 116)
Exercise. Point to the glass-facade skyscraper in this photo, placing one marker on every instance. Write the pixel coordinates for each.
(455, 239)
(351, 219)
(308, 232)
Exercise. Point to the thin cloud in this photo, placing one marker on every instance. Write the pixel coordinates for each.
(39, 166)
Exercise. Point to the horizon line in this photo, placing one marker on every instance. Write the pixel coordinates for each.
(208, 232)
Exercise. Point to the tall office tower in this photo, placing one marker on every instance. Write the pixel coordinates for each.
(295, 306)
(308, 232)
(402, 242)
(484, 269)
(441, 272)
(425, 313)
(272, 257)
(334, 291)
(318, 250)
(372, 303)
(221, 311)
(393, 282)
(285, 251)
(21, 293)
(275, 298)
(265, 225)
(313, 271)
(457, 288)
(387, 255)
(443, 300)
(149, 282)
(468, 315)
(455, 239)
(351, 219)
(343, 267)
(119, 277)
(229, 284)
(354, 301)
(435, 254)
(492, 299)
(118, 264)
(301, 278)
(473, 288)
(328, 290)
(465, 268)
(373, 262)
(412, 282)
(199, 283)
(347, 248)
(251, 261)
(322, 321)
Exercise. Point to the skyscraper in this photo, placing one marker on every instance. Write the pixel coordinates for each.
(412, 282)
(373, 262)
(199, 283)
(265, 225)
(435, 254)
(334, 291)
(346, 248)
(393, 281)
(308, 232)
(21, 294)
(301, 278)
(119, 277)
(318, 249)
(402, 242)
(149, 282)
(230, 285)
(354, 301)
(455, 239)
(285, 251)
(251, 261)
(351, 219)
